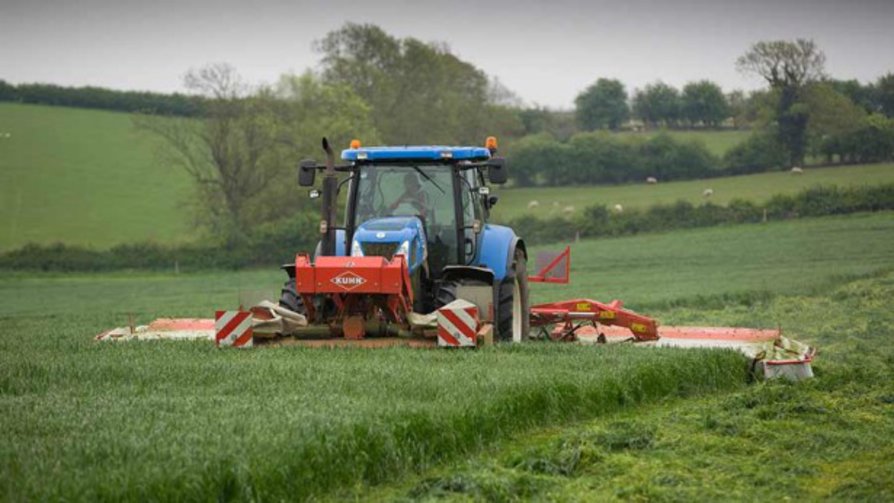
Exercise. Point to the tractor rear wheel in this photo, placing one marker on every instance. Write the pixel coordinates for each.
(513, 322)
(290, 299)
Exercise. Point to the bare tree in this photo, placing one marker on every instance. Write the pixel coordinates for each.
(783, 63)
(247, 139)
(230, 152)
(787, 67)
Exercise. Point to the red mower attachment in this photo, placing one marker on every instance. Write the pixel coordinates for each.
(571, 315)
(553, 267)
(363, 289)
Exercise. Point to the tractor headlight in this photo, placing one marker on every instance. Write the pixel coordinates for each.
(404, 249)
(356, 250)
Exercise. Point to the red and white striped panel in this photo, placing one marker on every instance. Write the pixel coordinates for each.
(458, 324)
(233, 328)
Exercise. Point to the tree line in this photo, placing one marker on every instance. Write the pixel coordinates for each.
(606, 103)
(602, 158)
(102, 99)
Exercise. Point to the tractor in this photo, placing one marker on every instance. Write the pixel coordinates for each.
(414, 237)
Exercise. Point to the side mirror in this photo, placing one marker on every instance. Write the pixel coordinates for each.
(496, 170)
(307, 171)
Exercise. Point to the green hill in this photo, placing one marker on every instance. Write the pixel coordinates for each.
(85, 177)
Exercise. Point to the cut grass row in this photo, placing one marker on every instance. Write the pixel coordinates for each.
(757, 188)
(184, 421)
(828, 438)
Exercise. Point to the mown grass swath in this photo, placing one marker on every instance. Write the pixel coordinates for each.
(827, 438)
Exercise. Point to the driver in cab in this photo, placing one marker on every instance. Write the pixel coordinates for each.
(413, 195)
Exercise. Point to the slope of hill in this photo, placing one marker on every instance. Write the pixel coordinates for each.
(84, 177)
(759, 187)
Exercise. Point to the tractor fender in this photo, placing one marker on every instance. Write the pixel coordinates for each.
(498, 245)
(458, 272)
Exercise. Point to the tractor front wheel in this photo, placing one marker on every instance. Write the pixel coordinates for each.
(290, 299)
(513, 320)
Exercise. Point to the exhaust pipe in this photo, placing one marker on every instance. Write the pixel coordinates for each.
(330, 189)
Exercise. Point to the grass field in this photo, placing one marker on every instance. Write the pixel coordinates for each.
(826, 439)
(183, 421)
(84, 177)
(757, 188)
(717, 142)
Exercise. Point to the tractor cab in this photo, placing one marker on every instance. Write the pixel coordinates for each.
(424, 206)
(431, 212)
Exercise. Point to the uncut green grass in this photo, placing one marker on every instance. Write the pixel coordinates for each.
(757, 188)
(184, 421)
(84, 177)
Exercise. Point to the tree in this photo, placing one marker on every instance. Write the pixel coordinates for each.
(602, 105)
(884, 94)
(787, 67)
(852, 89)
(737, 103)
(657, 103)
(830, 113)
(704, 102)
(418, 92)
(246, 139)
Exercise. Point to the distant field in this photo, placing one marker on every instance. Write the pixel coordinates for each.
(718, 142)
(85, 177)
(759, 187)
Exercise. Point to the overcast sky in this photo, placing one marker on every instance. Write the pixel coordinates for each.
(546, 52)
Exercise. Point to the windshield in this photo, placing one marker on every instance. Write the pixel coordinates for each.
(425, 191)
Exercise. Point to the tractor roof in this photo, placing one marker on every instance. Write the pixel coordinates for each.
(413, 153)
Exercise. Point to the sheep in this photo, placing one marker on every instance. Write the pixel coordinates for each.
(618, 208)
(568, 210)
(533, 204)
(797, 170)
(708, 192)
(651, 180)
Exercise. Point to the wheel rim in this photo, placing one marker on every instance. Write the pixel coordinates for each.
(516, 312)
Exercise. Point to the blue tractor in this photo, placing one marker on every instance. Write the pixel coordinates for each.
(421, 212)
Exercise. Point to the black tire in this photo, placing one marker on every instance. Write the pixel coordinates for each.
(518, 277)
(446, 293)
(290, 299)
